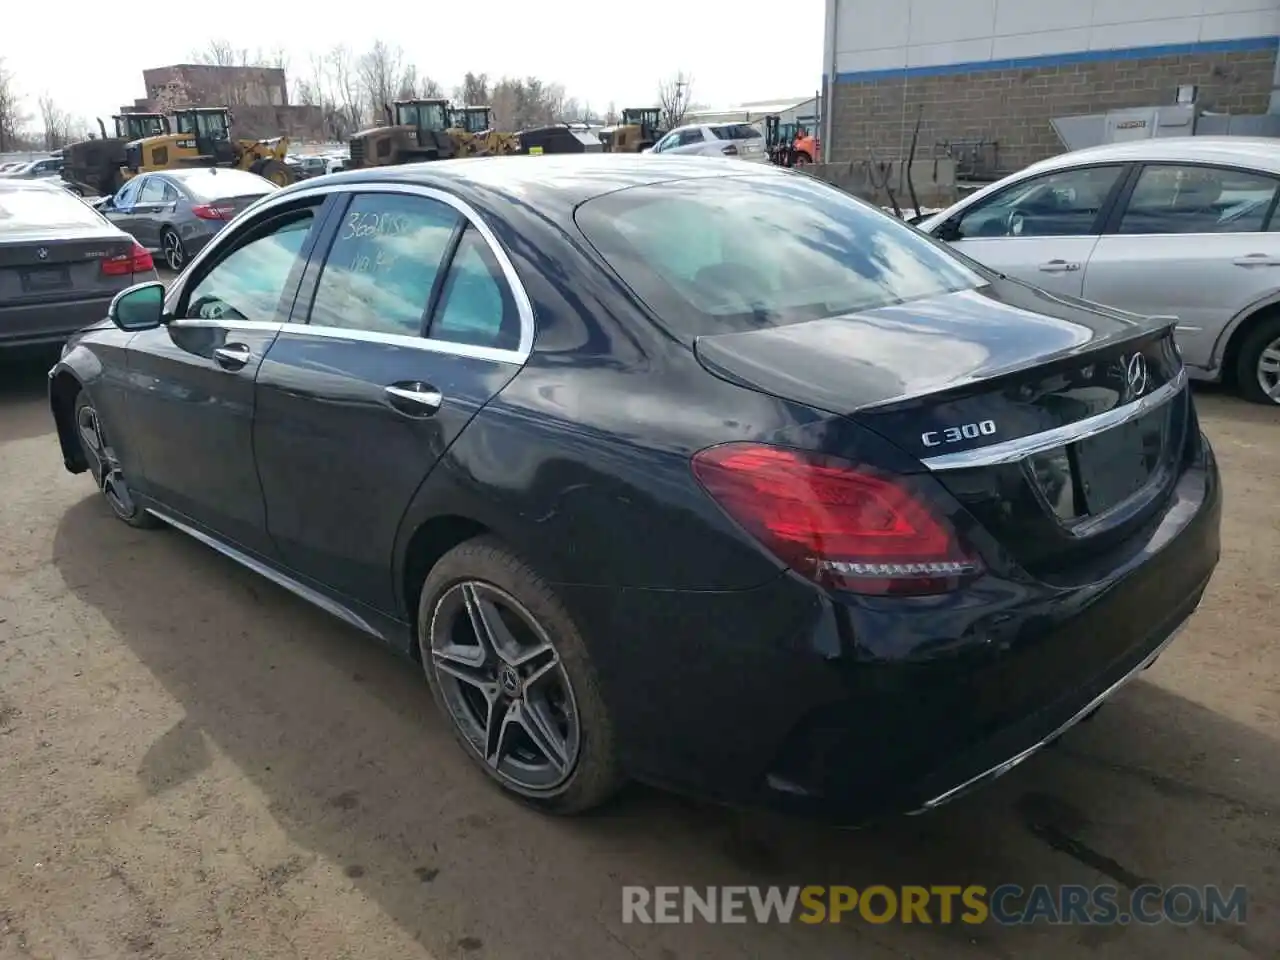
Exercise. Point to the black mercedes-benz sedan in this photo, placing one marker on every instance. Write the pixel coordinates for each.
(674, 470)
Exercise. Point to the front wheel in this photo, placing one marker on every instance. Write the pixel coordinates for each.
(1258, 363)
(508, 669)
(273, 170)
(105, 467)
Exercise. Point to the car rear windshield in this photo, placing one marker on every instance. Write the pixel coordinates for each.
(223, 184)
(739, 253)
(48, 208)
(735, 131)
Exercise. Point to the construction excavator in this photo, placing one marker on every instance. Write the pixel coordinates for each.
(93, 167)
(638, 131)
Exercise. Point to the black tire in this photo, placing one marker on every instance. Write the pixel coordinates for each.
(1263, 336)
(173, 250)
(273, 170)
(104, 469)
(594, 776)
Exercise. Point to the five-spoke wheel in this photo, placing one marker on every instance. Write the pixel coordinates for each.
(509, 670)
(105, 467)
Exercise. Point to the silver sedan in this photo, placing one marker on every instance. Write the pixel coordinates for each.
(177, 212)
(1184, 227)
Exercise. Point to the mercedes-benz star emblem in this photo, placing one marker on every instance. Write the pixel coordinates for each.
(42, 253)
(1135, 375)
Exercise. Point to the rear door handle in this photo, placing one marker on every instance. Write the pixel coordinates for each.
(414, 398)
(1059, 266)
(233, 356)
(1257, 260)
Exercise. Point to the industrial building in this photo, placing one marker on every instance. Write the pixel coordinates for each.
(797, 110)
(258, 97)
(984, 78)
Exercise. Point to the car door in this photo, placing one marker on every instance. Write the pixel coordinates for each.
(1190, 241)
(155, 201)
(691, 140)
(120, 210)
(1041, 229)
(192, 380)
(415, 320)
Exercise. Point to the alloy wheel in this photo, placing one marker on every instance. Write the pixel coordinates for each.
(103, 463)
(1268, 371)
(174, 256)
(505, 687)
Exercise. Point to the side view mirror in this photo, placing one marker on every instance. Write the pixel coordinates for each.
(948, 232)
(141, 307)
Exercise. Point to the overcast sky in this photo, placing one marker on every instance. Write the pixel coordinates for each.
(599, 51)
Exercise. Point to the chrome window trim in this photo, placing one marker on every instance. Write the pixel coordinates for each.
(265, 207)
(1011, 451)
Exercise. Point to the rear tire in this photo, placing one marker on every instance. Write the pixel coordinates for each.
(171, 247)
(105, 468)
(1257, 368)
(540, 691)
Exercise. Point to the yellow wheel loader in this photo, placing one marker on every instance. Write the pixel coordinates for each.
(201, 137)
(415, 130)
(638, 131)
(472, 127)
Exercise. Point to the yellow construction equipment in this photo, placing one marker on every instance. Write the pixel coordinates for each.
(472, 127)
(201, 137)
(638, 131)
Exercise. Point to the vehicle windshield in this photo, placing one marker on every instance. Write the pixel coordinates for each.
(741, 253)
(221, 184)
(423, 116)
(43, 208)
(137, 128)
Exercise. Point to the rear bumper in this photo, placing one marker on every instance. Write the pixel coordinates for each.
(27, 325)
(851, 708)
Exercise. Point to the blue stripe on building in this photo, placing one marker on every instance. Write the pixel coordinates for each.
(1246, 45)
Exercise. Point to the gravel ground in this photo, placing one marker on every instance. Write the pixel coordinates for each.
(196, 764)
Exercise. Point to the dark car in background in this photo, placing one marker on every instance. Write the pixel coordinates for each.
(175, 213)
(686, 470)
(60, 263)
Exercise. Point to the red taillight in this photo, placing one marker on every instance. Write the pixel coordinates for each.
(834, 523)
(211, 211)
(137, 260)
(729, 150)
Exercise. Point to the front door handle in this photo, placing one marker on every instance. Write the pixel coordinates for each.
(414, 398)
(1257, 260)
(233, 356)
(1059, 266)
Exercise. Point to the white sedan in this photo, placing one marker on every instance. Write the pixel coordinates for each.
(1181, 227)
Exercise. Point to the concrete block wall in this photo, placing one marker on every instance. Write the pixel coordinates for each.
(1014, 106)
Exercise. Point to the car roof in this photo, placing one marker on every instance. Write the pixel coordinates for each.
(1261, 153)
(7, 184)
(557, 182)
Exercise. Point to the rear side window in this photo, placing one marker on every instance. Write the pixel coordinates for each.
(1189, 199)
(43, 208)
(740, 253)
(476, 305)
(735, 131)
(383, 264)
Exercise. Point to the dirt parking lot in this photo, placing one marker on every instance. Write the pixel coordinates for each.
(193, 763)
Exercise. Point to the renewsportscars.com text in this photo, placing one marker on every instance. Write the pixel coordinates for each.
(1007, 905)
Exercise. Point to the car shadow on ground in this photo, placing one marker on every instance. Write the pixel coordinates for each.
(341, 737)
(24, 386)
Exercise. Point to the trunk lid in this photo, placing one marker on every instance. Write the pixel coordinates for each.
(38, 268)
(1058, 424)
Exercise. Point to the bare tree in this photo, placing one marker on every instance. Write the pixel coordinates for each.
(56, 123)
(346, 87)
(611, 115)
(221, 53)
(12, 116)
(674, 95)
(474, 90)
(430, 89)
(380, 70)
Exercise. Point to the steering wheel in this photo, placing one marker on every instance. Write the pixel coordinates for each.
(1014, 223)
